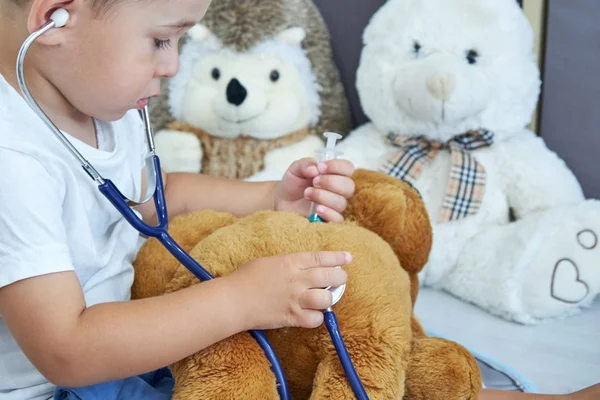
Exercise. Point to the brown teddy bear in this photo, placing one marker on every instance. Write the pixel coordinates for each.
(388, 232)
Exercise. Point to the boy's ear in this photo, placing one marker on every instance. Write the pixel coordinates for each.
(40, 12)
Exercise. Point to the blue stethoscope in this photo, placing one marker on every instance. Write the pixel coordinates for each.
(160, 231)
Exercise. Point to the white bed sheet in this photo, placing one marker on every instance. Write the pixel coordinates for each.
(560, 356)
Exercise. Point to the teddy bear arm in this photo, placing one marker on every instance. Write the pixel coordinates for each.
(537, 177)
(178, 151)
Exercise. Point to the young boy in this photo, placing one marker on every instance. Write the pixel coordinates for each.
(66, 254)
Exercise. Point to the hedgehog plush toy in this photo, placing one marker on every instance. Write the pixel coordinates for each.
(256, 89)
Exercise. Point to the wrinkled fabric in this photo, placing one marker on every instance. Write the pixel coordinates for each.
(156, 385)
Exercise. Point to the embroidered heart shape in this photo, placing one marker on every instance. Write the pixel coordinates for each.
(566, 285)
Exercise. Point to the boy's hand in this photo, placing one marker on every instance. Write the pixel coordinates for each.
(327, 184)
(287, 290)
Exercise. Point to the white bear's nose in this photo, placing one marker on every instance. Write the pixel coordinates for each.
(441, 86)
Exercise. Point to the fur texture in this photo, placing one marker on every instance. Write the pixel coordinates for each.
(238, 158)
(439, 68)
(383, 337)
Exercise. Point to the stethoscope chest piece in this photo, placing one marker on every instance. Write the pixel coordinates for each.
(337, 293)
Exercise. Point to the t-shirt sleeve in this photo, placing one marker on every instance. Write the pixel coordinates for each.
(33, 240)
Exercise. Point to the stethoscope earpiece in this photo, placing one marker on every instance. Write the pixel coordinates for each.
(60, 17)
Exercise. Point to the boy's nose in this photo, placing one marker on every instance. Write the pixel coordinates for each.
(169, 67)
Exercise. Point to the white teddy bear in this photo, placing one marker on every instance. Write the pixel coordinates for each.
(449, 87)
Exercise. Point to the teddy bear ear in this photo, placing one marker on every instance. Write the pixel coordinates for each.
(292, 36)
(199, 33)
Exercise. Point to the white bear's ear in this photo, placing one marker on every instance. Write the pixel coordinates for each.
(292, 36)
(199, 33)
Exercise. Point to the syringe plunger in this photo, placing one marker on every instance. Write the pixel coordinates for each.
(329, 152)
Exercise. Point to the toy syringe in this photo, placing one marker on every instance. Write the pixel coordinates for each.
(326, 154)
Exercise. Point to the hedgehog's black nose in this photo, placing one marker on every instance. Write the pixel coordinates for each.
(236, 92)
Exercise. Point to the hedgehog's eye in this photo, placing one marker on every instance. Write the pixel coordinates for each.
(472, 56)
(274, 76)
(215, 73)
(416, 48)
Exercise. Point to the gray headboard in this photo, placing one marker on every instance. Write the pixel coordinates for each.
(570, 103)
(346, 36)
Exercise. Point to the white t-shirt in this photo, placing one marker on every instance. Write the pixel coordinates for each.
(53, 218)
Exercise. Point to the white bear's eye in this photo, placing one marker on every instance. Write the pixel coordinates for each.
(274, 76)
(472, 56)
(215, 73)
(416, 47)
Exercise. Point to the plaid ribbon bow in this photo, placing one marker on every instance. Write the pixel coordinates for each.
(466, 183)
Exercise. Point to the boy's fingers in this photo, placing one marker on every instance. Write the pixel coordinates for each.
(316, 299)
(309, 168)
(326, 259)
(337, 167)
(323, 277)
(327, 199)
(329, 215)
(311, 319)
(305, 168)
(341, 185)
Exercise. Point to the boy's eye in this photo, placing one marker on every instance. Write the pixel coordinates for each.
(162, 44)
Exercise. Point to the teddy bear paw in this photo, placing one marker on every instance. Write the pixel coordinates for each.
(564, 275)
(178, 151)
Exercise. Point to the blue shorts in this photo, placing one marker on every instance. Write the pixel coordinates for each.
(155, 385)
